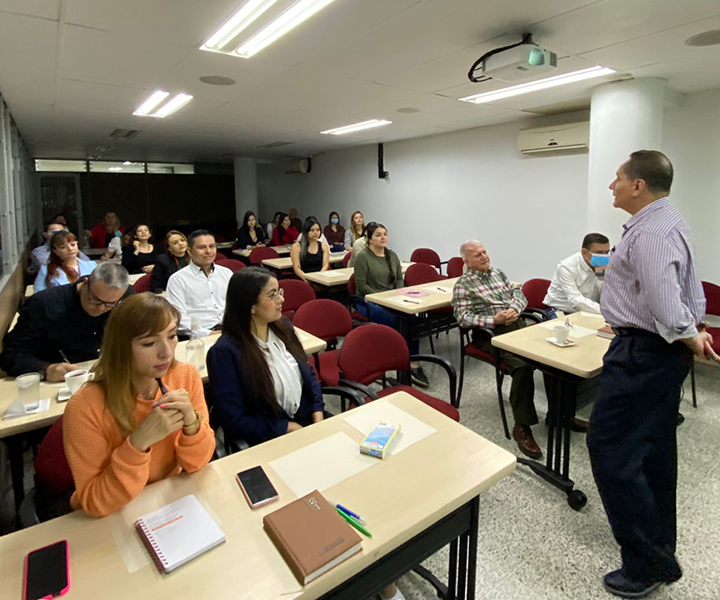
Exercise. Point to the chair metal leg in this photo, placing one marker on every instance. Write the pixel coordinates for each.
(462, 377)
(432, 346)
(692, 383)
(499, 377)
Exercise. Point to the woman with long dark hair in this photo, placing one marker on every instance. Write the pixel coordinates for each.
(335, 233)
(143, 418)
(310, 255)
(355, 231)
(176, 258)
(273, 224)
(378, 269)
(140, 254)
(261, 382)
(63, 265)
(284, 233)
(250, 235)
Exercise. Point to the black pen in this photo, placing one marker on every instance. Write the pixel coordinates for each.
(163, 389)
(63, 356)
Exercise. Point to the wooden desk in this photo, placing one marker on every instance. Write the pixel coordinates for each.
(411, 512)
(90, 252)
(284, 263)
(439, 296)
(281, 250)
(224, 245)
(570, 379)
(11, 430)
(336, 277)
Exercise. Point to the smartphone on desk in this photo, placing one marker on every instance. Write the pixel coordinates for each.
(47, 572)
(256, 487)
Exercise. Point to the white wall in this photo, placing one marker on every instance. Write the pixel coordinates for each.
(530, 212)
(691, 139)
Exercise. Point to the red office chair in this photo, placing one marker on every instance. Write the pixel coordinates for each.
(142, 284)
(230, 263)
(297, 293)
(260, 254)
(535, 290)
(420, 273)
(467, 348)
(354, 300)
(455, 267)
(346, 259)
(54, 483)
(427, 256)
(371, 350)
(328, 320)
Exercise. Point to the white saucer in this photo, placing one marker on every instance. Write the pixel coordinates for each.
(64, 394)
(567, 344)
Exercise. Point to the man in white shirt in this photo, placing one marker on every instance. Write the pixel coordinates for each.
(198, 291)
(576, 283)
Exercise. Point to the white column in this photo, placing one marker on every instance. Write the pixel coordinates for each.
(246, 191)
(625, 116)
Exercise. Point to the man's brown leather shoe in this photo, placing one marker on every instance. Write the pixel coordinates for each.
(579, 425)
(526, 442)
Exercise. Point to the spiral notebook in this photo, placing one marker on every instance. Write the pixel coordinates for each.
(178, 532)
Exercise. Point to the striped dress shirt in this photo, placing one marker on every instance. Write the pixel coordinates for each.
(478, 296)
(651, 282)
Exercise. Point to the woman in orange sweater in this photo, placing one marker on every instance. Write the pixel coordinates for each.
(144, 416)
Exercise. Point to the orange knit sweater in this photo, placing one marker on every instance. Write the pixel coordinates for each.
(108, 470)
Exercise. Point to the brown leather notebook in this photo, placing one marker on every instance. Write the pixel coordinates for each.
(311, 536)
(606, 332)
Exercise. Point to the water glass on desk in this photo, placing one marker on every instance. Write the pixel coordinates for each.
(28, 387)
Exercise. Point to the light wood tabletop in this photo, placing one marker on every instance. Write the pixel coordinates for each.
(584, 359)
(286, 262)
(399, 497)
(8, 389)
(30, 290)
(281, 250)
(93, 251)
(333, 277)
(437, 294)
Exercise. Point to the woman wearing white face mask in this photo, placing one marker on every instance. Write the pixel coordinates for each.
(335, 233)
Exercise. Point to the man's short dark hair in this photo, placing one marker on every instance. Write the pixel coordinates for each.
(53, 222)
(594, 238)
(653, 167)
(196, 234)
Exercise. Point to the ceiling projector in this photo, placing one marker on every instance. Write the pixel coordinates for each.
(513, 63)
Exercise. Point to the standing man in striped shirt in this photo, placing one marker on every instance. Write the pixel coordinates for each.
(654, 301)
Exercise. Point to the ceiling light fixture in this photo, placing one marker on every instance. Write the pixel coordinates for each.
(149, 104)
(356, 127)
(171, 106)
(542, 84)
(298, 13)
(244, 16)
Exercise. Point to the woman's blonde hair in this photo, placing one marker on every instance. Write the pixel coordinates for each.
(355, 234)
(139, 316)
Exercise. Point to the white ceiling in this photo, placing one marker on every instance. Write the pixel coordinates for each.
(74, 70)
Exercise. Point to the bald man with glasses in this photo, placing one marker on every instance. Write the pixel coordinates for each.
(62, 326)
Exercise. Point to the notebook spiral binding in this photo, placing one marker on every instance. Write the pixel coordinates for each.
(153, 549)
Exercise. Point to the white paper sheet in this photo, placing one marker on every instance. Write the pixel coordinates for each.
(339, 456)
(576, 331)
(18, 409)
(412, 429)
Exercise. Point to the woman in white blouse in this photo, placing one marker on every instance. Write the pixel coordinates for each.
(260, 380)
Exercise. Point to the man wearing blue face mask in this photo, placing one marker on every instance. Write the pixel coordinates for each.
(577, 280)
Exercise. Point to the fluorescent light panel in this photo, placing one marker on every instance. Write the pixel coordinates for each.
(149, 104)
(542, 84)
(157, 98)
(356, 127)
(298, 13)
(244, 16)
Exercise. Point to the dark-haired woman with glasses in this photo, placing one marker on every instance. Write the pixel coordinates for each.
(261, 382)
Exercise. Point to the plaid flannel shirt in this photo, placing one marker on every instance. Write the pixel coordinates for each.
(478, 296)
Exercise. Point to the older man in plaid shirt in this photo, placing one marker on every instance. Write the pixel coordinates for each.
(484, 297)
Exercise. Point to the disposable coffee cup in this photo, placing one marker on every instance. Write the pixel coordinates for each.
(28, 389)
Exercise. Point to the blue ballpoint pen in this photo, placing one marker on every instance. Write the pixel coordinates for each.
(347, 511)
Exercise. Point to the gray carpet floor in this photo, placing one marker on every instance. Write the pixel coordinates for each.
(531, 544)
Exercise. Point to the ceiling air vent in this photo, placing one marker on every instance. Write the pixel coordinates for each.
(124, 134)
(273, 145)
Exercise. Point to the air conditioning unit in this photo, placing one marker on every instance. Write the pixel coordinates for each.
(296, 167)
(572, 136)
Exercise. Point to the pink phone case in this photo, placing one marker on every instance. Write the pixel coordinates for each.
(67, 575)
